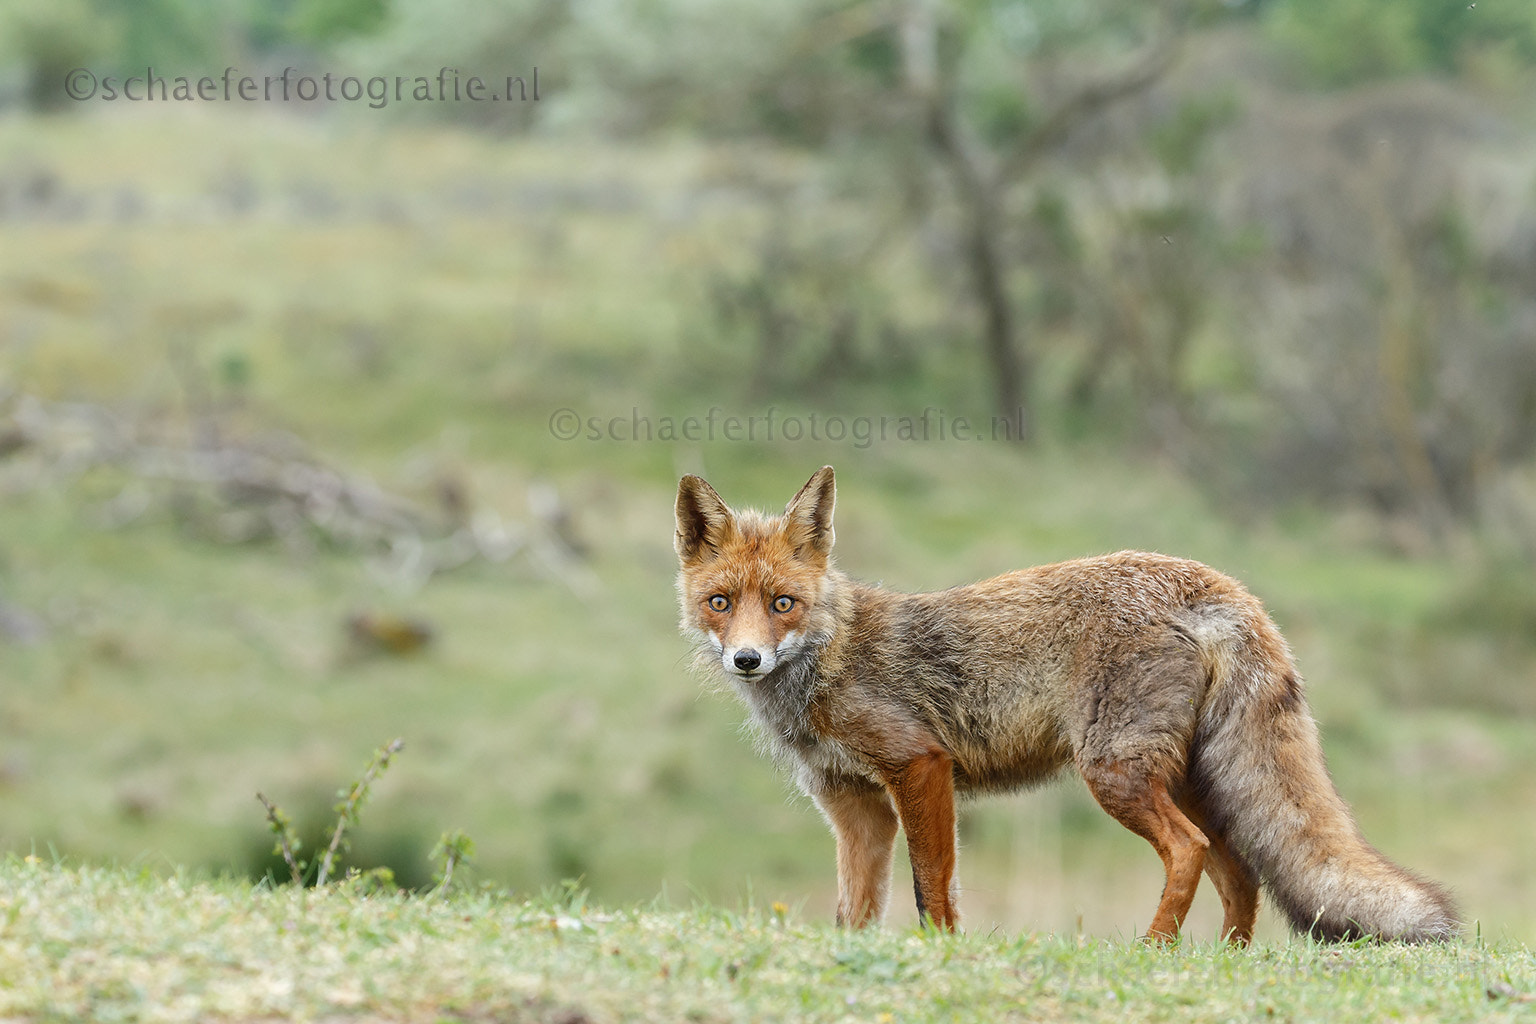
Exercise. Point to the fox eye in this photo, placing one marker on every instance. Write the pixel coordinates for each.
(719, 602)
(783, 603)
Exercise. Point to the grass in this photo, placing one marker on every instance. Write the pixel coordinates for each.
(110, 945)
(414, 303)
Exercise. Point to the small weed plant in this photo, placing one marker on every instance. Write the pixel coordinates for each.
(453, 849)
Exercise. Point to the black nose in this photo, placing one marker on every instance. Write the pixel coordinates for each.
(748, 659)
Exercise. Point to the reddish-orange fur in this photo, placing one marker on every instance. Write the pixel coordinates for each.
(1160, 680)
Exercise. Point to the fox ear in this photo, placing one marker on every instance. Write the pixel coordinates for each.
(703, 520)
(808, 516)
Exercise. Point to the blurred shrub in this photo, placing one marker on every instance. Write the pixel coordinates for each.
(1384, 320)
(812, 304)
(50, 38)
(320, 21)
(182, 37)
(1340, 42)
(417, 37)
(743, 68)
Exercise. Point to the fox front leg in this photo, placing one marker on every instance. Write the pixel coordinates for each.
(864, 822)
(924, 793)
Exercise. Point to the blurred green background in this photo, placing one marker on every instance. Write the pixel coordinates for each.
(283, 466)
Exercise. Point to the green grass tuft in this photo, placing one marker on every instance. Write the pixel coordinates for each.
(106, 944)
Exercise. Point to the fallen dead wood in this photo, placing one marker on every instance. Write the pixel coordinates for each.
(233, 485)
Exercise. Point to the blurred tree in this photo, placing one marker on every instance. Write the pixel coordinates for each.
(987, 140)
(1140, 217)
(936, 117)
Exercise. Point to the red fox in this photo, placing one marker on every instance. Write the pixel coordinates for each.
(1161, 680)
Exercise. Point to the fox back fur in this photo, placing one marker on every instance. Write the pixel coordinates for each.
(1161, 680)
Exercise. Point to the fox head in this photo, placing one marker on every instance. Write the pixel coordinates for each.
(754, 586)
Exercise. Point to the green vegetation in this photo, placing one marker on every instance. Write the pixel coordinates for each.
(181, 670)
(96, 944)
(289, 844)
(1358, 40)
(286, 471)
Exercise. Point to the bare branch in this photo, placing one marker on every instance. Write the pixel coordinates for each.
(283, 829)
(1090, 100)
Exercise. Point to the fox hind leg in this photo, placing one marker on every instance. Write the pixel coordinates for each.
(1233, 877)
(1139, 717)
(1239, 890)
(1141, 802)
(864, 821)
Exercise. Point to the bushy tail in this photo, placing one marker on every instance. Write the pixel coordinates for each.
(1257, 769)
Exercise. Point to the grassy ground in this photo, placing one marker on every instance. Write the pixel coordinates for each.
(415, 305)
(92, 944)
